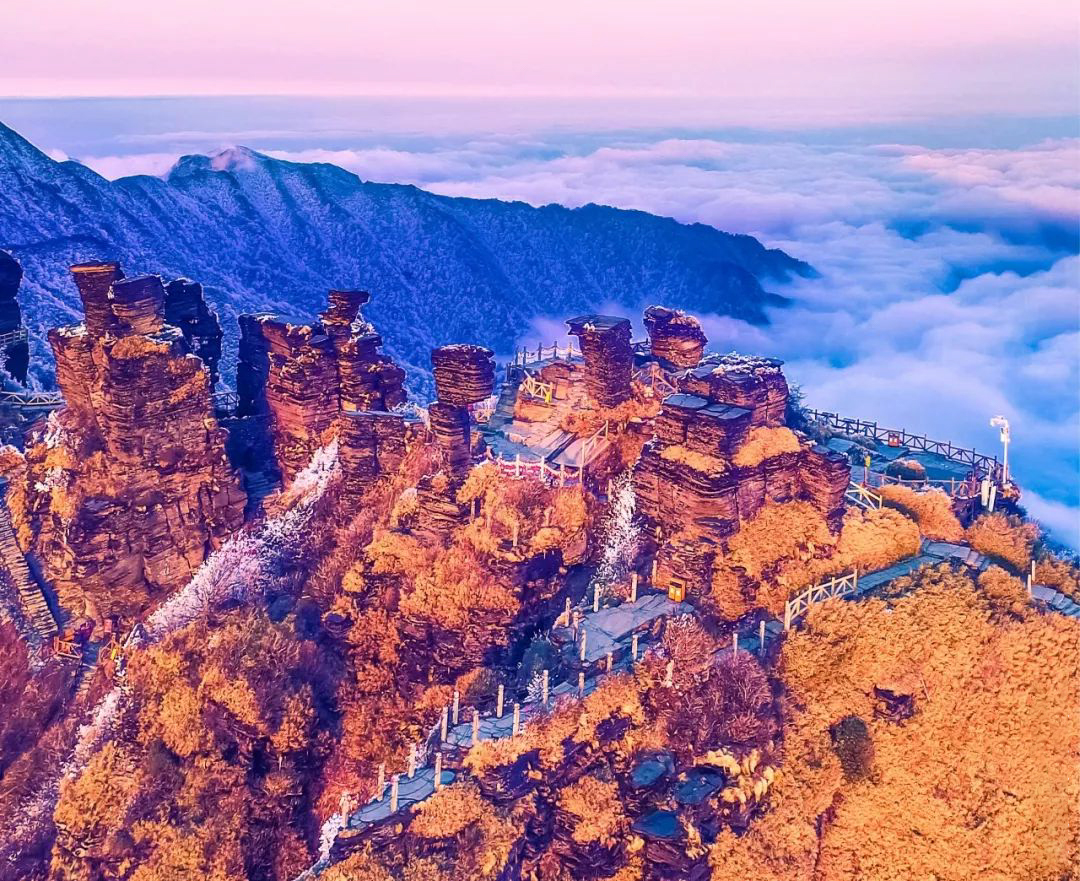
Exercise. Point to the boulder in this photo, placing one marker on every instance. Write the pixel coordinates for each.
(609, 357)
(187, 309)
(464, 374)
(675, 336)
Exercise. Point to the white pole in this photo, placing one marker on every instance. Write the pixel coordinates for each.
(499, 702)
(457, 705)
(438, 770)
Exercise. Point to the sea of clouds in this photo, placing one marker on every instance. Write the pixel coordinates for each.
(949, 279)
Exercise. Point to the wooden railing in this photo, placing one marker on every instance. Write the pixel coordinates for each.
(538, 469)
(542, 391)
(955, 489)
(985, 465)
(654, 382)
(33, 400)
(544, 353)
(226, 403)
(798, 605)
(590, 443)
(863, 496)
(9, 338)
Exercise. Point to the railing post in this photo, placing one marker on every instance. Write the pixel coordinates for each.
(517, 720)
(584, 639)
(787, 616)
(596, 598)
(457, 705)
(609, 661)
(735, 643)
(382, 779)
(545, 688)
(669, 674)
(633, 587)
(443, 724)
(761, 637)
(475, 726)
(412, 761)
(438, 771)
(394, 794)
(634, 647)
(499, 701)
(581, 683)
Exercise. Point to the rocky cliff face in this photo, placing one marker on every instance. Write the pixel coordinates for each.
(127, 488)
(609, 358)
(321, 379)
(674, 336)
(719, 454)
(15, 352)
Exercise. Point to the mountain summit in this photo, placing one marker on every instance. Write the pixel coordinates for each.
(267, 234)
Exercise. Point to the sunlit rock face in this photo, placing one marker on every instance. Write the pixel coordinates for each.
(695, 480)
(311, 380)
(16, 354)
(609, 357)
(127, 488)
(675, 336)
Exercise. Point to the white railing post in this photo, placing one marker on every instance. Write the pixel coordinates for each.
(761, 637)
(499, 702)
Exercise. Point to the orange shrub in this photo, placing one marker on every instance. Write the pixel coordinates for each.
(596, 810)
(932, 510)
(1062, 575)
(764, 443)
(693, 459)
(1005, 593)
(779, 532)
(872, 540)
(449, 811)
(1006, 539)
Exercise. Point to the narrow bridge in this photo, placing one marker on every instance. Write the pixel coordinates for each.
(33, 401)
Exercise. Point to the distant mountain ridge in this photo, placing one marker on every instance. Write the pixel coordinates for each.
(267, 234)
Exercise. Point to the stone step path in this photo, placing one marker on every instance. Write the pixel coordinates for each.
(1056, 600)
(610, 631)
(31, 598)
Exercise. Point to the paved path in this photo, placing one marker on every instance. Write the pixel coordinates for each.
(611, 629)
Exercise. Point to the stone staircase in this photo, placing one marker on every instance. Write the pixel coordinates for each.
(1056, 600)
(31, 598)
(504, 408)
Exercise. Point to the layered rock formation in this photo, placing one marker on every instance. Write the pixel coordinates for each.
(691, 480)
(609, 357)
(129, 488)
(748, 381)
(15, 350)
(464, 375)
(314, 379)
(187, 309)
(675, 336)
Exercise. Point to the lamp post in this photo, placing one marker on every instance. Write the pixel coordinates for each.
(1003, 423)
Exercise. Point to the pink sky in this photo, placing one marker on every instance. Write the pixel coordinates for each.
(880, 56)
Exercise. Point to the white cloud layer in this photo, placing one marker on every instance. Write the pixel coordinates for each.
(949, 283)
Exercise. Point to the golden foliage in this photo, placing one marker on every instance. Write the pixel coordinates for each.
(1006, 594)
(872, 540)
(449, 811)
(765, 443)
(931, 509)
(1062, 575)
(980, 782)
(779, 532)
(1003, 538)
(597, 813)
(693, 459)
(455, 591)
